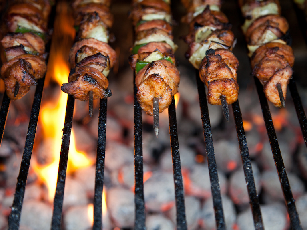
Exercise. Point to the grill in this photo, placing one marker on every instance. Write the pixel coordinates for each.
(15, 214)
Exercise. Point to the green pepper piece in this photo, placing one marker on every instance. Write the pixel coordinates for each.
(136, 48)
(23, 30)
(168, 59)
(140, 22)
(77, 28)
(140, 65)
(32, 52)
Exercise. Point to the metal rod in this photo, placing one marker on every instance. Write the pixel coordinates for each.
(247, 167)
(179, 191)
(16, 90)
(299, 109)
(90, 103)
(139, 223)
(156, 115)
(281, 95)
(99, 178)
(214, 179)
(14, 218)
(59, 194)
(283, 178)
(3, 114)
(225, 107)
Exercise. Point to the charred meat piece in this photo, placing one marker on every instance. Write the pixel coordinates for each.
(158, 24)
(78, 3)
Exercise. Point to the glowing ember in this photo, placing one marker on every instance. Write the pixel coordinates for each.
(90, 212)
(247, 125)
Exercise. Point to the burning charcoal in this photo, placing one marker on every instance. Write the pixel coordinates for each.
(187, 158)
(36, 215)
(74, 193)
(158, 222)
(273, 218)
(117, 155)
(84, 142)
(3, 222)
(267, 160)
(8, 148)
(45, 151)
(12, 170)
(192, 209)
(159, 191)
(227, 155)
(124, 112)
(80, 218)
(254, 142)
(301, 205)
(199, 184)
(126, 174)
(33, 192)
(271, 185)
(20, 128)
(187, 86)
(302, 162)
(120, 203)
(208, 217)
(237, 187)
(186, 129)
(80, 110)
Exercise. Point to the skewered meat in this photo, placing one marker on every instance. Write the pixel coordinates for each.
(24, 46)
(210, 43)
(91, 58)
(152, 59)
(271, 57)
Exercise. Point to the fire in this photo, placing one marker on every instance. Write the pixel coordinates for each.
(247, 125)
(177, 97)
(52, 114)
(90, 209)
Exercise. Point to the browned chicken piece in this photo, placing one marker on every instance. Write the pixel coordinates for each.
(273, 47)
(146, 33)
(212, 18)
(268, 66)
(42, 5)
(20, 73)
(276, 24)
(219, 72)
(102, 10)
(86, 80)
(78, 3)
(30, 41)
(156, 4)
(36, 22)
(158, 24)
(97, 61)
(158, 79)
(282, 77)
(13, 51)
(194, 3)
(96, 47)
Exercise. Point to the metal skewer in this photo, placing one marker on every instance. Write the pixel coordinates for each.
(225, 107)
(281, 95)
(90, 103)
(16, 89)
(156, 115)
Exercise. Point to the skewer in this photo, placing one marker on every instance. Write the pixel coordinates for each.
(281, 95)
(225, 107)
(90, 103)
(156, 115)
(16, 90)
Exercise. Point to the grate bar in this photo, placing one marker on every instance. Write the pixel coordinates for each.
(139, 223)
(3, 113)
(214, 179)
(179, 192)
(299, 109)
(283, 178)
(247, 167)
(14, 217)
(59, 194)
(100, 159)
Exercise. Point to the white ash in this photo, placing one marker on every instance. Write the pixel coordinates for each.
(74, 193)
(17, 132)
(86, 176)
(77, 218)
(159, 192)
(126, 174)
(8, 148)
(187, 87)
(36, 215)
(45, 152)
(12, 170)
(302, 162)
(227, 155)
(200, 185)
(7, 202)
(186, 129)
(3, 222)
(238, 187)
(208, 217)
(33, 192)
(273, 218)
(83, 140)
(81, 110)
(124, 112)
(192, 211)
(267, 160)
(187, 158)
(253, 141)
(158, 222)
(301, 205)
(120, 203)
(271, 185)
(117, 155)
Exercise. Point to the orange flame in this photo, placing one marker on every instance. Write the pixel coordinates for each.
(247, 125)
(177, 97)
(90, 209)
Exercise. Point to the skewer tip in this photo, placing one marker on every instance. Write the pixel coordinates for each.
(281, 95)
(90, 103)
(225, 107)
(156, 115)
